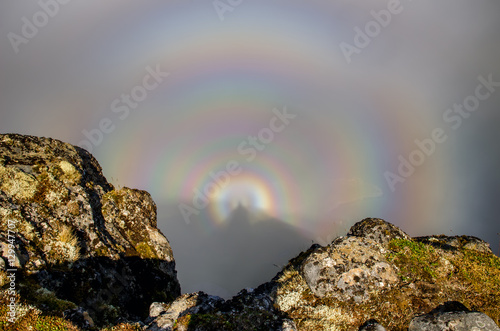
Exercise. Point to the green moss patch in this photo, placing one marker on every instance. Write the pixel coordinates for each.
(416, 261)
(459, 274)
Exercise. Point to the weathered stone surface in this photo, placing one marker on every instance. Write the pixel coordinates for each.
(318, 288)
(77, 236)
(163, 317)
(377, 230)
(453, 316)
(375, 272)
(251, 309)
(349, 268)
(354, 267)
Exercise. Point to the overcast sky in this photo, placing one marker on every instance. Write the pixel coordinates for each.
(260, 127)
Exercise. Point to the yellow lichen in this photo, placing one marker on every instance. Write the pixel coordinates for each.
(70, 173)
(145, 251)
(3, 278)
(17, 184)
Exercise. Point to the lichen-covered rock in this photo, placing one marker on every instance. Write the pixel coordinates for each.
(453, 316)
(377, 230)
(163, 317)
(130, 218)
(71, 233)
(92, 253)
(349, 268)
(354, 267)
(319, 289)
(251, 309)
(377, 272)
(258, 305)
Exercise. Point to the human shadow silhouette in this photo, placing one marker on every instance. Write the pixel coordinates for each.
(238, 254)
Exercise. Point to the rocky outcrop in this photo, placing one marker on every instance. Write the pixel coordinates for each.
(375, 278)
(76, 238)
(251, 309)
(379, 272)
(85, 254)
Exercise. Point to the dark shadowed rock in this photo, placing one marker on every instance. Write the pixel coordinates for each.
(449, 306)
(251, 309)
(79, 317)
(78, 238)
(371, 325)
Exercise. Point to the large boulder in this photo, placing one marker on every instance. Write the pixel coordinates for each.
(354, 267)
(76, 237)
